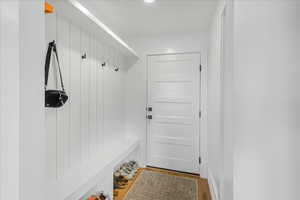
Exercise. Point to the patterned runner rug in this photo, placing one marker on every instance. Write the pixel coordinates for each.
(152, 185)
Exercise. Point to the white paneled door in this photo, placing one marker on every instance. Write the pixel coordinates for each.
(173, 112)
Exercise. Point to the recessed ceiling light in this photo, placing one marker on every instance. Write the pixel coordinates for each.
(149, 1)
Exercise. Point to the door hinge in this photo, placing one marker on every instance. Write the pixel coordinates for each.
(200, 114)
(200, 160)
(200, 68)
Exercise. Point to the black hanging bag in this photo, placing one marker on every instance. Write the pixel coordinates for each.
(54, 98)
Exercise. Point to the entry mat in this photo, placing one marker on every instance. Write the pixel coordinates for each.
(152, 185)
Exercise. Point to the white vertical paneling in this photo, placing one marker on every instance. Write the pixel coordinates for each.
(50, 113)
(107, 104)
(63, 116)
(75, 96)
(94, 114)
(113, 105)
(100, 94)
(120, 104)
(85, 67)
(93, 99)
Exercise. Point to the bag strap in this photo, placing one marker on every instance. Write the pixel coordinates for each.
(52, 46)
(47, 63)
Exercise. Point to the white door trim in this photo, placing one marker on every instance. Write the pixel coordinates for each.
(200, 105)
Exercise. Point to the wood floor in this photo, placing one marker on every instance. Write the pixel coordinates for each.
(204, 193)
(121, 193)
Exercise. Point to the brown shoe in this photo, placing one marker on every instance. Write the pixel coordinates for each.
(116, 193)
(121, 179)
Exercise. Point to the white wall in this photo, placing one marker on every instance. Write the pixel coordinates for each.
(266, 102)
(22, 133)
(220, 139)
(136, 88)
(32, 117)
(93, 119)
(9, 99)
(214, 137)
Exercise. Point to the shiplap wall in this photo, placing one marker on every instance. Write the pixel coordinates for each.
(94, 115)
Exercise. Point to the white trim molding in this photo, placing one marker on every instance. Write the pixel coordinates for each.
(213, 186)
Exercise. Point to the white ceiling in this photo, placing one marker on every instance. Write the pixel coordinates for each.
(131, 18)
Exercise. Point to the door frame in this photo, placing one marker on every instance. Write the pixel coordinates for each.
(201, 95)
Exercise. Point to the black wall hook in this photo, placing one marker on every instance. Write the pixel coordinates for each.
(116, 69)
(83, 56)
(104, 64)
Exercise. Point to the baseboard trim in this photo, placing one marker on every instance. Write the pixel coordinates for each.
(213, 186)
(172, 170)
